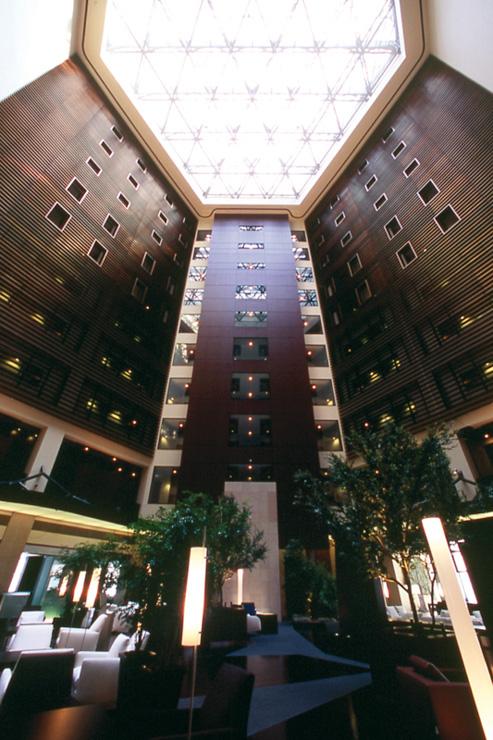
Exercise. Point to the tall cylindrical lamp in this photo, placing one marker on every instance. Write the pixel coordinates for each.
(470, 649)
(193, 613)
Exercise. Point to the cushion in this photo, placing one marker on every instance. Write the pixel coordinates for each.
(119, 645)
(249, 607)
(427, 669)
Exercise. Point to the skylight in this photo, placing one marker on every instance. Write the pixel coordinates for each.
(251, 99)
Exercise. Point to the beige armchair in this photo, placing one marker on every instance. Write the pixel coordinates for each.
(82, 639)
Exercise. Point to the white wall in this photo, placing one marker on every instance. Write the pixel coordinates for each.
(460, 34)
(35, 37)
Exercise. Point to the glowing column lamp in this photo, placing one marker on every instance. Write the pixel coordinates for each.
(194, 597)
(470, 649)
(92, 591)
(79, 587)
(239, 596)
(63, 587)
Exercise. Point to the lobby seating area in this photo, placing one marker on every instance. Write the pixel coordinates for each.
(249, 688)
(271, 684)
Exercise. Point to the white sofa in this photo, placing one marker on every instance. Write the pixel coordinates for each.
(95, 678)
(78, 638)
(35, 636)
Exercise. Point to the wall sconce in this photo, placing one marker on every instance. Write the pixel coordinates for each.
(470, 649)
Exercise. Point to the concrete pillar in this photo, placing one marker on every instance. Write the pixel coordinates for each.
(145, 485)
(262, 585)
(43, 457)
(12, 545)
(459, 462)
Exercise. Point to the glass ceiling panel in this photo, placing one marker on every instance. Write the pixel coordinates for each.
(251, 99)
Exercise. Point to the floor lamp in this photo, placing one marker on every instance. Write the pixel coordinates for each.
(193, 613)
(467, 640)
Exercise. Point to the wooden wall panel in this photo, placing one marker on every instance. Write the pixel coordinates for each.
(70, 331)
(446, 122)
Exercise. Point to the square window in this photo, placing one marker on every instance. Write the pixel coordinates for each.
(133, 181)
(334, 201)
(250, 348)
(157, 237)
(316, 355)
(123, 200)
(139, 290)
(94, 166)
(399, 149)
(58, 216)
(163, 217)
(413, 165)
(300, 254)
(393, 227)
(307, 298)
(371, 182)
(193, 296)
(250, 318)
(189, 323)
(322, 393)
(111, 225)
(97, 253)
(168, 200)
(446, 219)
(171, 434)
(346, 238)
(77, 190)
(148, 263)
(304, 274)
(388, 134)
(364, 164)
(184, 354)
(406, 255)
(354, 265)
(141, 164)
(250, 431)
(340, 218)
(164, 485)
(106, 148)
(380, 202)
(251, 292)
(117, 133)
(250, 245)
(250, 266)
(197, 274)
(250, 386)
(363, 292)
(428, 192)
(312, 325)
(201, 253)
(321, 240)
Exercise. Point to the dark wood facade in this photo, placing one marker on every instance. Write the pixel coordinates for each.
(86, 338)
(209, 451)
(407, 293)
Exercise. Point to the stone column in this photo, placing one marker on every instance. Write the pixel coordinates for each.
(12, 546)
(43, 457)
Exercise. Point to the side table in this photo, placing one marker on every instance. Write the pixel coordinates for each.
(268, 623)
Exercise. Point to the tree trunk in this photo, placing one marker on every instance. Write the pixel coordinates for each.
(407, 581)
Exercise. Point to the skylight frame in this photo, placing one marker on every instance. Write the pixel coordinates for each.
(298, 192)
